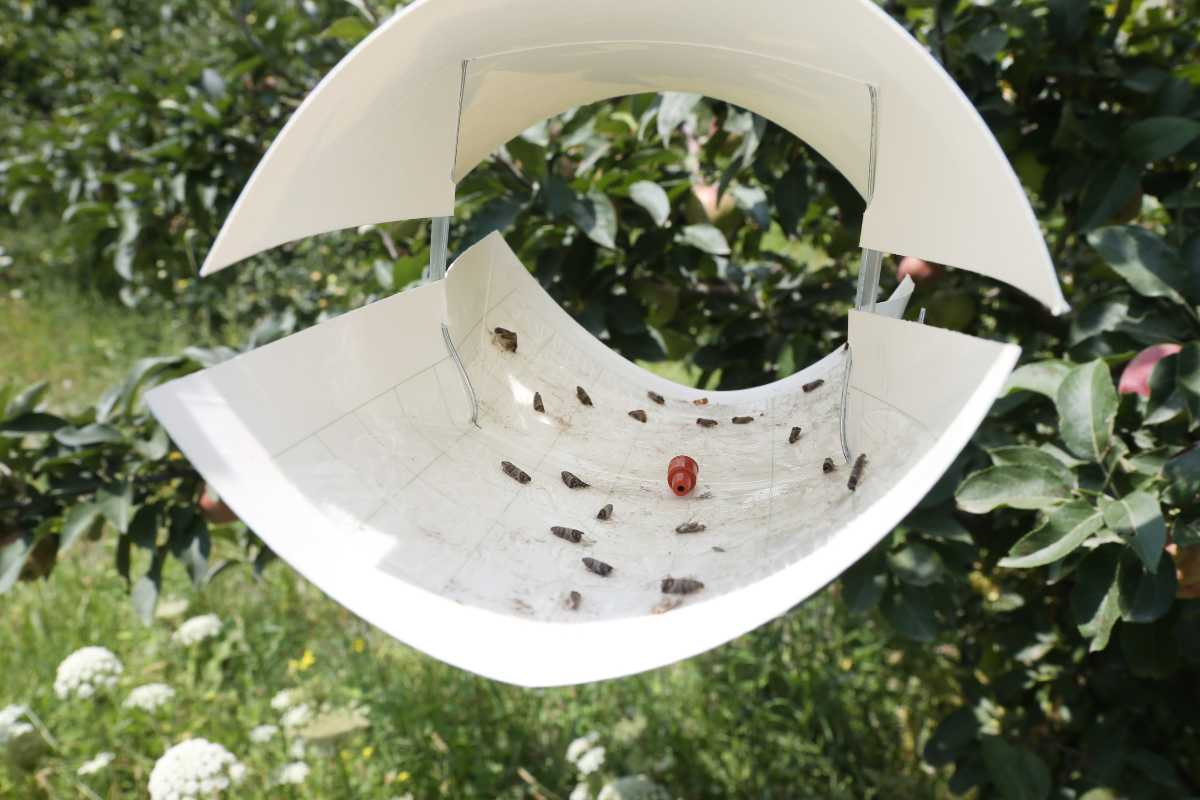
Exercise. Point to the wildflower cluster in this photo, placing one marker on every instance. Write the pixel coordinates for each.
(86, 672)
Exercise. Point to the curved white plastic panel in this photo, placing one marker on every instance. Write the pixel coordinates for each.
(348, 448)
(831, 112)
(375, 140)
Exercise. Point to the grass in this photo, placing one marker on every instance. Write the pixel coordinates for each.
(811, 705)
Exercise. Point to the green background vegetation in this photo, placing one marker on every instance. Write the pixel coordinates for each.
(1031, 595)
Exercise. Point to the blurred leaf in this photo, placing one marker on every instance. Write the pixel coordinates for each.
(1183, 478)
(673, 109)
(1095, 601)
(1159, 137)
(78, 521)
(32, 422)
(1016, 773)
(917, 564)
(190, 543)
(1144, 260)
(707, 238)
(863, 583)
(1033, 457)
(1146, 595)
(347, 29)
(12, 560)
(26, 400)
(1063, 530)
(116, 504)
(910, 612)
(87, 435)
(596, 217)
(650, 196)
(1042, 377)
(1112, 187)
(951, 737)
(131, 226)
(1011, 486)
(1138, 519)
(1087, 407)
(146, 590)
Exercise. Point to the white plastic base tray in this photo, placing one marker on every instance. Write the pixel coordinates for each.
(349, 448)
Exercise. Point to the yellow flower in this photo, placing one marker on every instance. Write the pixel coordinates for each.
(402, 776)
(301, 664)
(368, 751)
(358, 646)
(116, 34)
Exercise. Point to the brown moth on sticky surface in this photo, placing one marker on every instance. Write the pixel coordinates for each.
(742, 420)
(597, 566)
(505, 339)
(856, 472)
(582, 394)
(639, 415)
(690, 527)
(706, 423)
(605, 513)
(537, 403)
(513, 471)
(700, 401)
(828, 466)
(817, 384)
(656, 397)
(572, 481)
(718, 549)
(572, 535)
(573, 600)
(794, 436)
(681, 585)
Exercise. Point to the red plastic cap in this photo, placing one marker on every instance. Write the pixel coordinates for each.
(681, 474)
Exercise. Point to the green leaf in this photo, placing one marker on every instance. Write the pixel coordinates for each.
(1063, 530)
(1159, 137)
(1187, 368)
(650, 196)
(116, 504)
(347, 29)
(32, 422)
(1112, 186)
(1147, 263)
(705, 237)
(1151, 651)
(910, 612)
(12, 560)
(145, 592)
(917, 564)
(190, 543)
(78, 521)
(951, 737)
(1042, 377)
(26, 400)
(1016, 773)
(1087, 407)
(1138, 518)
(1011, 486)
(1146, 595)
(1032, 457)
(596, 217)
(1095, 597)
(1182, 474)
(87, 435)
(863, 583)
(988, 43)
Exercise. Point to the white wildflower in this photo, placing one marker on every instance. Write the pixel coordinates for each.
(197, 629)
(194, 769)
(87, 671)
(580, 746)
(263, 733)
(297, 748)
(293, 773)
(285, 699)
(11, 725)
(633, 787)
(580, 792)
(98, 763)
(590, 761)
(296, 716)
(149, 697)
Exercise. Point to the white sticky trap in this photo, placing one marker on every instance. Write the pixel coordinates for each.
(368, 476)
(367, 450)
